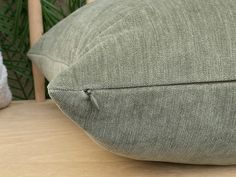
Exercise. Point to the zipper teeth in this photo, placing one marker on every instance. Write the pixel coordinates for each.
(162, 85)
(88, 90)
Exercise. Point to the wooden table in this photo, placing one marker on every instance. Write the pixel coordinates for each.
(37, 140)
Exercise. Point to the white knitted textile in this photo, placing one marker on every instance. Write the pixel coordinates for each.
(5, 94)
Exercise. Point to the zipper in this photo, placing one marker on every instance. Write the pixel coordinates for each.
(161, 85)
(89, 92)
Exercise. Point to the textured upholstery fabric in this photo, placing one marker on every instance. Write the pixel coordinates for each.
(150, 80)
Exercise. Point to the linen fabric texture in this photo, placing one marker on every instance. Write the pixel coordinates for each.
(150, 80)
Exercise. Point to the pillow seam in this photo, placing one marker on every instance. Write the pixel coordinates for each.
(48, 58)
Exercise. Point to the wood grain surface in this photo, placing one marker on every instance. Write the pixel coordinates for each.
(36, 31)
(37, 140)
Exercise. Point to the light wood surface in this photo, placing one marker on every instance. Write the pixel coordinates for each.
(37, 140)
(36, 31)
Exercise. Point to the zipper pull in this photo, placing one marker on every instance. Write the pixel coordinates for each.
(88, 92)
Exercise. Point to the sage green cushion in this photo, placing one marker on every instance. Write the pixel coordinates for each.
(150, 80)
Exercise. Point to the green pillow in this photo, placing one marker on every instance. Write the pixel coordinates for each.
(150, 80)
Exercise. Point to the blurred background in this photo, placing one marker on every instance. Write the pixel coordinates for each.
(14, 39)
